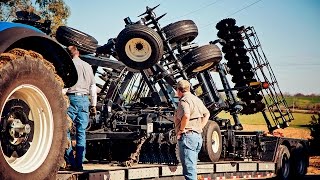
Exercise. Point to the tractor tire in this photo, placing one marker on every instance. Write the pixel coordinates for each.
(299, 161)
(212, 143)
(283, 163)
(181, 32)
(31, 93)
(201, 58)
(85, 43)
(139, 47)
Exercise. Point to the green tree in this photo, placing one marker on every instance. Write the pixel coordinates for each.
(55, 10)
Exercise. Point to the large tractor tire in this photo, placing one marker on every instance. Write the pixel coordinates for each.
(201, 58)
(85, 43)
(212, 143)
(181, 32)
(139, 47)
(33, 117)
(283, 163)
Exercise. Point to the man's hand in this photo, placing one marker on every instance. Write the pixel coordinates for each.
(93, 111)
(179, 133)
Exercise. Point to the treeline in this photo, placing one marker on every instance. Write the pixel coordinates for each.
(301, 95)
(301, 101)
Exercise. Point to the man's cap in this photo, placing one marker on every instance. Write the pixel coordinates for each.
(183, 84)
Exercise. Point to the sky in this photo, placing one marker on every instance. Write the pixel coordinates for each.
(287, 29)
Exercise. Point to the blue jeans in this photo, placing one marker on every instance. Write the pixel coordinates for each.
(79, 113)
(190, 146)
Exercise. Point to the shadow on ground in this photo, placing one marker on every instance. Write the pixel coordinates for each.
(312, 177)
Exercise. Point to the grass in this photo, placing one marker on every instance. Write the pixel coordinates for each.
(302, 99)
(300, 119)
(303, 102)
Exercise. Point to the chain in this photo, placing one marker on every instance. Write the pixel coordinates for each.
(134, 157)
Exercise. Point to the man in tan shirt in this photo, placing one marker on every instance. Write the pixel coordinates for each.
(190, 118)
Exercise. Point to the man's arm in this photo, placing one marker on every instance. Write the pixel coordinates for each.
(93, 89)
(93, 94)
(205, 119)
(184, 121)
(206, 116)
(186, 114)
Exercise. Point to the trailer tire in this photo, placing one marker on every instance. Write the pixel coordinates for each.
(201, 58)
(139, 47)
(32, 80)
(181, 31)
(68, 36)
(283, 163)
(212, 143)
(299, 161)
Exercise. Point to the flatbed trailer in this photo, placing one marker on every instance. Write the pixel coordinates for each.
(206, 171)
(280, 156)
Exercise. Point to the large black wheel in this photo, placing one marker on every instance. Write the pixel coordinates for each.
(139, 47)
(33, 117)
(70, 36)
(201, 58)
(299, 161)
(225, 23)
(283, 163)
(212, 143)
(181, 31)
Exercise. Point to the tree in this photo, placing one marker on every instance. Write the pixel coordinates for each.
(54, 10)
(314, 127)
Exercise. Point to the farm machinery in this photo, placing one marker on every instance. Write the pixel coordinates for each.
(138, 71)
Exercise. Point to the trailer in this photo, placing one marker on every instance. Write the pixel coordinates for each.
(275, 162)
(206, 171)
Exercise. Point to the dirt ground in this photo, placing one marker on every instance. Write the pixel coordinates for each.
(292, 132)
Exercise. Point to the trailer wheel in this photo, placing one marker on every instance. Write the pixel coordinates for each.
(202, 58)
(212, 143)
(299, 161)
(70, 36)
(33, 111)
(283, 163)
(139, 47)
(181, 32)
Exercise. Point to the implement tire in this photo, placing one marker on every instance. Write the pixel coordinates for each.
(68, 36)
(212, 143)
(27, 78)
(201, 58)
(139, 47)
(181, 31)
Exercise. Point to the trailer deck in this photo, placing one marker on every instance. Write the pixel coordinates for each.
(206, 171)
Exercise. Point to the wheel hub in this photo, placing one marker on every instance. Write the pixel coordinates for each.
(18, 131)
(138, 49)
(15, 128)
(215, 142)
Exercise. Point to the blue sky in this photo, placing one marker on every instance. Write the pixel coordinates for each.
(288, 29)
